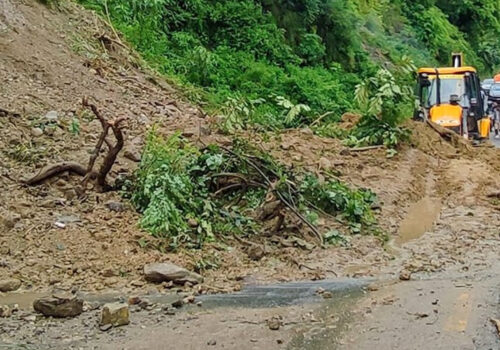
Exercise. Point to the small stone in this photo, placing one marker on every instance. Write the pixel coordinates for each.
(62, 305)
(189, 299)
(212, 343)
(100, 236)
(133, 155)
(109, 272)
(116, 206)
(199, 304)
(115, 314)
(135, 300)
(5, 311)
(9, 219)
(36, 132)
(274, 323)
(145, 304)
(105, 327)
(327, 295)
(30, 318)
(405, 275)
(178, 303)
(256, 252)
(52, 116)
(192, 222)
(137, 283)
(9, 285)
(279, 341)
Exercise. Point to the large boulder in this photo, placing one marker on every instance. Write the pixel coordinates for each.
(59, 305)
(165, 272)
(115, 314)
(9, 285)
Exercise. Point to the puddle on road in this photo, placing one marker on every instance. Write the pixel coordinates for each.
(420, 219)
(285, 294)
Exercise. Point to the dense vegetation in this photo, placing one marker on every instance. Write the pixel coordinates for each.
(268, 56)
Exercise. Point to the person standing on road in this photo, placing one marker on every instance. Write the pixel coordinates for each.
(494, 112)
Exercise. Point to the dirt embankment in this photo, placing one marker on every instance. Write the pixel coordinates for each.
(51, 59)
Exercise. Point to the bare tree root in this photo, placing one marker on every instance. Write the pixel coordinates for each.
(54, 170)
(88, 172)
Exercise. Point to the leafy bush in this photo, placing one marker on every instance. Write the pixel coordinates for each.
(335, 197)
(176, 191)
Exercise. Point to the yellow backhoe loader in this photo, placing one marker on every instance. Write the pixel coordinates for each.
(451, 97)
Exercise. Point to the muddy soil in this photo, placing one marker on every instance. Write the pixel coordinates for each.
(433, 205)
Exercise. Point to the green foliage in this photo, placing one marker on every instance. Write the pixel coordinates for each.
(177, 191)
(334, 197)
(374, 131)
(74, 127)
(385, 100)
(388, 95)
(229, 53)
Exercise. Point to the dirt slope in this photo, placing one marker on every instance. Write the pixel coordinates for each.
(50, 59)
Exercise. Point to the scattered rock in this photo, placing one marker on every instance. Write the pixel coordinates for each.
(145, 304)
(137, 283)
(160, 272)
(189, 299)
(496, 323)
(59, 305)
(115, 314)
(105, 327)
(9, 285)
(116, 206)
(256, 252)
(36, 132)
(90, 306)
(327, 295)
(68, 219)
(405, 275)
(52, 116)
(274, 323)
(178, 303)
(134, 300)
(8, 219)
(279, 341)
(109, 272)
(5, 311)
(29, 318)
(192, 222)
(212, 343)
(132, 154)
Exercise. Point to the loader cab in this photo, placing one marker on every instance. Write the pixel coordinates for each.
(451, 97)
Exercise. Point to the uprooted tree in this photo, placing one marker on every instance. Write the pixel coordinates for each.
(88, 173)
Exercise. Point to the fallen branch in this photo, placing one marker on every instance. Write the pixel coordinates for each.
(279, 195)
(321, 117)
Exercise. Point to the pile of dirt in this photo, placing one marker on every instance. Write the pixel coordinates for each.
(54, 237)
